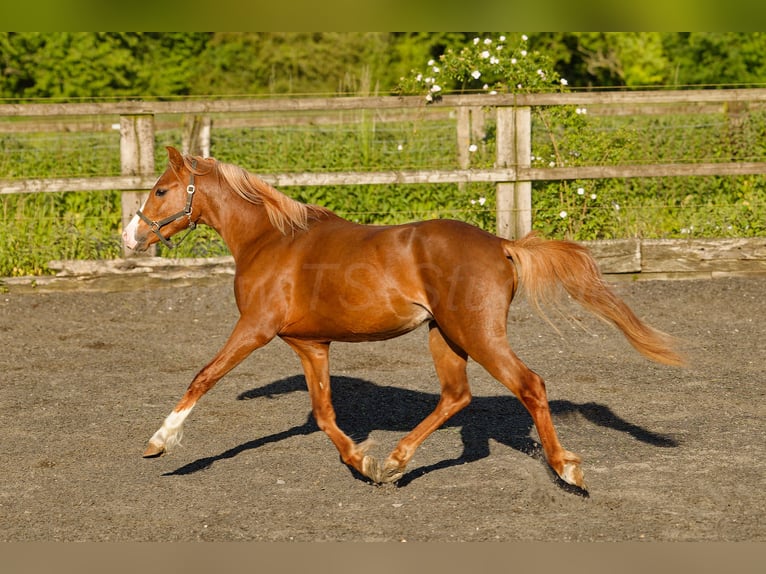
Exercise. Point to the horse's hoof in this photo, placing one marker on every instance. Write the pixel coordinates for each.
(153, 451)
(371, 468)
(391, 474)
(572, 474)
(380, 475)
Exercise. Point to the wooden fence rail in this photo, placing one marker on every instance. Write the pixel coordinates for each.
(512, 174)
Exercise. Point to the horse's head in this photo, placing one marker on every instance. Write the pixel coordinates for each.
(170, 207)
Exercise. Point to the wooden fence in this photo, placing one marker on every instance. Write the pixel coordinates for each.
(512, 173)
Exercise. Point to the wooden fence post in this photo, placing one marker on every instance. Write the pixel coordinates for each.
(136, 158)
(514, 149)
(463, 136)
(470, 129)
(463, 140)
(196, 136)
(478, 128)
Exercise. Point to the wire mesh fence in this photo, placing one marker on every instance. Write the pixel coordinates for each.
(39, 227)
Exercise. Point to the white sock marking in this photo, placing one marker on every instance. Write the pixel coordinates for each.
(169, 434)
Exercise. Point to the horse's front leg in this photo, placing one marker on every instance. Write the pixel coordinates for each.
(314, 357)
(243, 340)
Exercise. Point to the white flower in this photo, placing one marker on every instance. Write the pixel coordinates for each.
(429, 98)
(502, 38)
(472, 148)
(484, 54)
(431, 62)
(580, 191)
(419, 78)
(493, 92)
(593, 196)
(523, 52)
(436, 69)
(485, 87)
(513, 60)
(563, 214)
(540, 72)
(482, 200)
(436, 88)
(552, 164)
(476, 74)
(494, 60)
(564, 82)
(400, 147)
(487, 41)
(475, 41)
(524, 37)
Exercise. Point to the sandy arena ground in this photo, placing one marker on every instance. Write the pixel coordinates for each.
(87, 376)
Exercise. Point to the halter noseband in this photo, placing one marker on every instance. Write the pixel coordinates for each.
(156, 226)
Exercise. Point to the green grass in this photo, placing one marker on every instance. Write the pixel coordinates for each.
(37, 228)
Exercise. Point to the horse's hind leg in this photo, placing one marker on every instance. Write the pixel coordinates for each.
(503, 364)
(314, 357)
(450, 362)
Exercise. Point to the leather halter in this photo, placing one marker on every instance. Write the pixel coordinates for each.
(156, 226)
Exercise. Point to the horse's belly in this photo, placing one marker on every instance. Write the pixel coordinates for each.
(378, 326)
(371, 324)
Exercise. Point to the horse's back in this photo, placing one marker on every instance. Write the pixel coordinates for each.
(441, 237)
(436, 247)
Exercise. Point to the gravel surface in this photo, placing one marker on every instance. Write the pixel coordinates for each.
(88, 375)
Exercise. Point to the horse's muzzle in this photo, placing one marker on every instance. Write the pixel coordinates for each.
(130, 237)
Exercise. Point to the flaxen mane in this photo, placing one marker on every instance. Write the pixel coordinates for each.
(284, 213)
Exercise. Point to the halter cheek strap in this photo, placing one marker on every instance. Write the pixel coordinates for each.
(156, 226)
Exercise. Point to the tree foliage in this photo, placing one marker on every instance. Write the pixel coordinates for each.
(289, 62)
(716, 57)
(70, 65)
(97, 64)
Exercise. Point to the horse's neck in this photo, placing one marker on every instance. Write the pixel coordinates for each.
(241, 224)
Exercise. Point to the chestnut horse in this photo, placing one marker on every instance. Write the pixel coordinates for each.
(310, 277)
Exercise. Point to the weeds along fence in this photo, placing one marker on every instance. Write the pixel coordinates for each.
(591, 165)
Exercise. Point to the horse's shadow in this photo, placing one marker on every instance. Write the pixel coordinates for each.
(363, 407)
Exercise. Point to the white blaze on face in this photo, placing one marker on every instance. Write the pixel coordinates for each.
(129, 233)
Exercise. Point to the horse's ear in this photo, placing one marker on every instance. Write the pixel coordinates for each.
(175, 158)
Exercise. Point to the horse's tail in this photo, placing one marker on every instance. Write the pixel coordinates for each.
(543, 265)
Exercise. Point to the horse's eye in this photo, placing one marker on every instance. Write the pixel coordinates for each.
(160, 192)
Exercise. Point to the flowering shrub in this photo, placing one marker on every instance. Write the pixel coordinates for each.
(494, 65)
(488, 65)
(562, 136)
